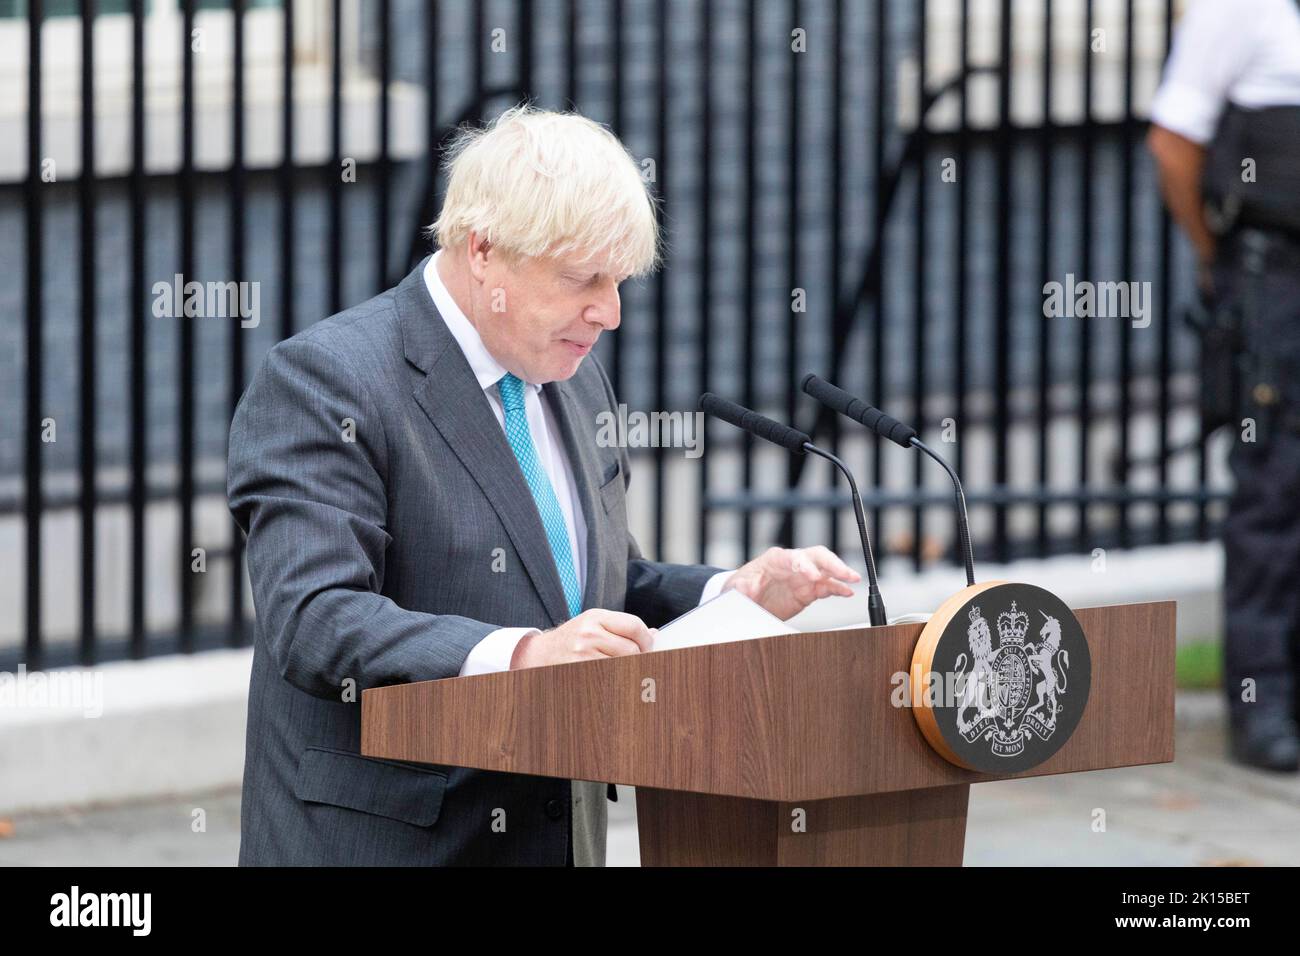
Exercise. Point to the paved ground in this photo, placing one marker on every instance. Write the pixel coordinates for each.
(1199, 810)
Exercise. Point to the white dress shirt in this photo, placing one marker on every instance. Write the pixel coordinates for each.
(1245, 52)
(494, 652)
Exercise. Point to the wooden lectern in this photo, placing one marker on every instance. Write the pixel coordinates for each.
(740, 736)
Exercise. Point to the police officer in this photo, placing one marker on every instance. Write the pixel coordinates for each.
(1226, 137)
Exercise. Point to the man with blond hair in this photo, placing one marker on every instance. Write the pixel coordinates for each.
(424, 498)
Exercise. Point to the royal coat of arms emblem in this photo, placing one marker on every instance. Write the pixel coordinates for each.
(1015, 690)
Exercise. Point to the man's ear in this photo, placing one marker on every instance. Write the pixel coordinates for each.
(477, 250)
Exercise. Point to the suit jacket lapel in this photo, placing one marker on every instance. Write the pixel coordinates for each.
(580, 445)
(450, 396)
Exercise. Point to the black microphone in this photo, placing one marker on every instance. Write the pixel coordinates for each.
(796, 442)
(791, 439)
(838, 400)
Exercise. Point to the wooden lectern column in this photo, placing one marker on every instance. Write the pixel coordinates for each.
(903, 828)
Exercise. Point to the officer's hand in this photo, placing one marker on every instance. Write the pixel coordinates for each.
(592, 634)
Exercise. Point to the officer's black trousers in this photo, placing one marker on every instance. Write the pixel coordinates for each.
(1261, 535)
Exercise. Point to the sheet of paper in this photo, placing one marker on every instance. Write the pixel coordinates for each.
(918, 618)
(728, 617)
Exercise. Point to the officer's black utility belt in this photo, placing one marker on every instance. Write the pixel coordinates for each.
(1271, 250)
(1252, 176)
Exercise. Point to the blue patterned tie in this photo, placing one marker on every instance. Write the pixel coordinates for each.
(548, 507)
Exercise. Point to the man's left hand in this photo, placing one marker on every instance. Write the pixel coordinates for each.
(785, 580)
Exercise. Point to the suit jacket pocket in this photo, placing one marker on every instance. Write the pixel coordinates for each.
(381, 787)
(611, 490)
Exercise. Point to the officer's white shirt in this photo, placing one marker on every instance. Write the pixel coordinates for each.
(493, 653)
(1245, 52)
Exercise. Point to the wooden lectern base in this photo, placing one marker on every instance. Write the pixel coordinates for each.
(903, 828)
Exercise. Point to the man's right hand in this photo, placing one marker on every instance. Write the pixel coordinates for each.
(591, 635)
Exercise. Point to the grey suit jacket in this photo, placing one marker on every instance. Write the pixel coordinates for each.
(378, 494)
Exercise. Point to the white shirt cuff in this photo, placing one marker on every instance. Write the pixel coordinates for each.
(493, 653)
(713, 587)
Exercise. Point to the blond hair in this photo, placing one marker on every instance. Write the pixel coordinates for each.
(540, 183)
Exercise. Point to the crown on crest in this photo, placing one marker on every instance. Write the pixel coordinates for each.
(1012, 626)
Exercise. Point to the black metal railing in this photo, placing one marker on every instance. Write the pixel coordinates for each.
(778, 170)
